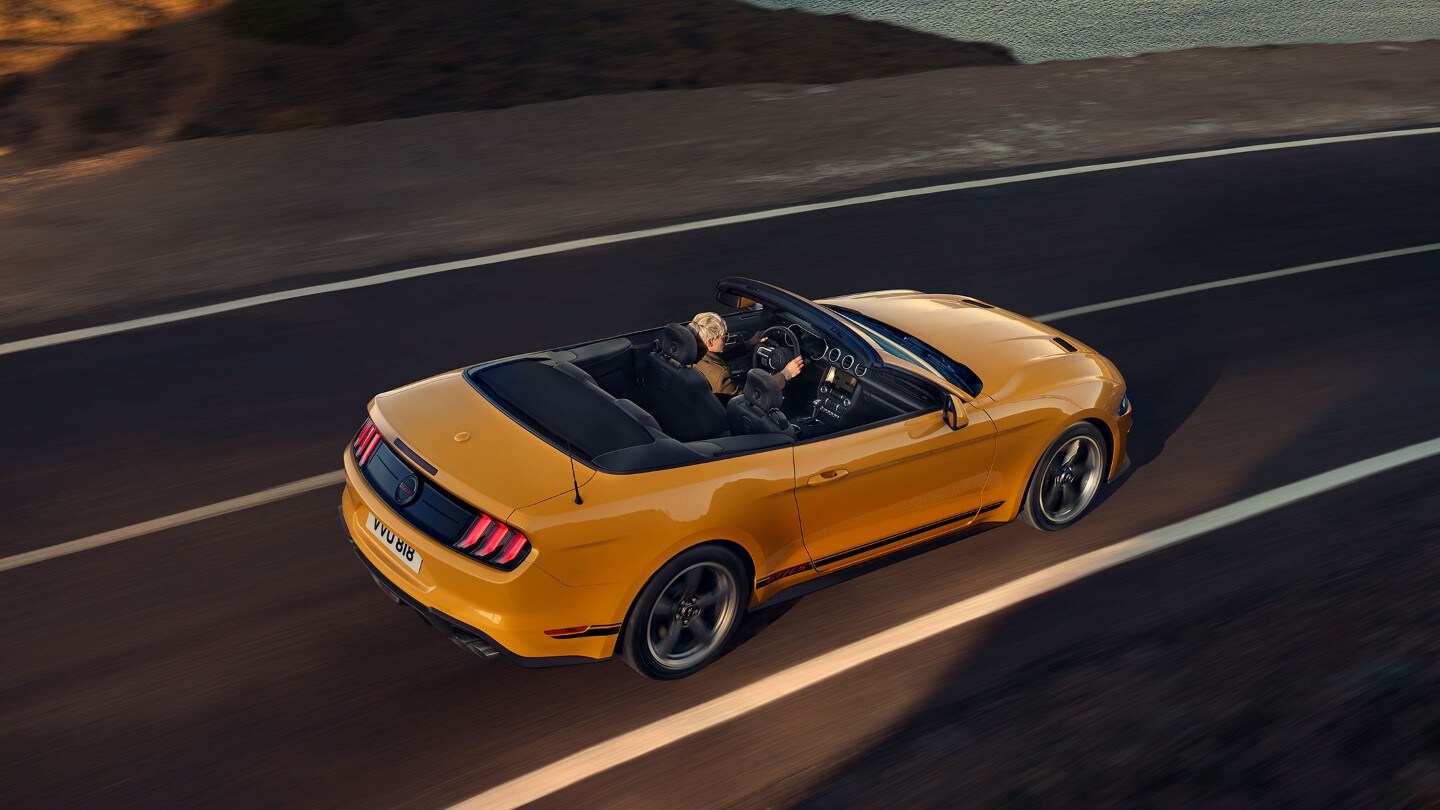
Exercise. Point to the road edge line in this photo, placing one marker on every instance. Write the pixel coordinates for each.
(1235, 281)
(87, 333)
(176, 520)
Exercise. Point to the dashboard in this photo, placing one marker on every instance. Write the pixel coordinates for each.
(815, 348)
(839, 387)
(844, 395)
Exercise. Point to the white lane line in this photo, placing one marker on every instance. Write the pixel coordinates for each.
(579, 244)
(173, 521)
(300, 487)
(646, 739)
(1231, 282)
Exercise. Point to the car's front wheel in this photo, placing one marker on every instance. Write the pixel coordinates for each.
(1067, 478)
(686, 614)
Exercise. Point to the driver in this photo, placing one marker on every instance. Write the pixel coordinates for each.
(711, 329)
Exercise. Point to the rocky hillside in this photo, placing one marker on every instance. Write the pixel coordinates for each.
(87, 76)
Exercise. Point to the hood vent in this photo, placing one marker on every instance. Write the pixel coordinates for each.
(972, 302)
(1065, 344)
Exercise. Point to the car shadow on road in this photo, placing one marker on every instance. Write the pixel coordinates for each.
(1237, 669)
(1215, 673)
(756, 621)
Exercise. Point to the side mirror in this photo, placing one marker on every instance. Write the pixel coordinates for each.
(954, 413)
(735, 300)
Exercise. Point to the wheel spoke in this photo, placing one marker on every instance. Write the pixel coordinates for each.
(665, 606)
(692, 581)
(667, 644)
(1074, 447)
(721, 592)
(1071, 495)
(1050, 498)
(701, 630)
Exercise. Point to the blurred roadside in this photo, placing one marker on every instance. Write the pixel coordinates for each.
(82, 77)
(153, 228)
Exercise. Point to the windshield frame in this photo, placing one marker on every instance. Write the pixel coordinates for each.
(826, 323)
(906, 346)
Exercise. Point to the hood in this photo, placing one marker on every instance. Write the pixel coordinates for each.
(500, 467)
(994, 343)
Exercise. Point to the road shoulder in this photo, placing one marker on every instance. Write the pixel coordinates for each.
(154, 228)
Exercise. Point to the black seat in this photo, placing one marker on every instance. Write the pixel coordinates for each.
(757, 409)
(677, 393)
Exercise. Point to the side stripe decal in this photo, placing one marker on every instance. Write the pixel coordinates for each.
(771, 579)
(597, 630)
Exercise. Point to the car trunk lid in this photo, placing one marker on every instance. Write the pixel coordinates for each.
(445, 430)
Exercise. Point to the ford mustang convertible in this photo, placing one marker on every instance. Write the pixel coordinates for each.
(599, 499)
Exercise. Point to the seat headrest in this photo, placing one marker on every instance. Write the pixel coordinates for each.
(681, 344)
(762, 390)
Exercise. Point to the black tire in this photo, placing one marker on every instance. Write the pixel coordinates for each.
(687, 614)
(1058, 493)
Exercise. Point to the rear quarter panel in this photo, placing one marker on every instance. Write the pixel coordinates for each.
(631, 525)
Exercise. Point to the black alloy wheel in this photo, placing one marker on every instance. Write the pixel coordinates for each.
(1067, 478)
(686, 614)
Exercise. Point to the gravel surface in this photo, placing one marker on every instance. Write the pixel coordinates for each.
(155, 228)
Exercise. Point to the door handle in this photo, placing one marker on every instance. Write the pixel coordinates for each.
(827, 477)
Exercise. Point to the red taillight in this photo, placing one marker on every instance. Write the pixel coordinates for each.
(567, 631)
(513, 547)
(370, 447)
(366, 431)
(492, 542)
(476, 529)
(368, 439)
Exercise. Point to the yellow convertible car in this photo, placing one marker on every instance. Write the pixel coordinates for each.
(599, 499)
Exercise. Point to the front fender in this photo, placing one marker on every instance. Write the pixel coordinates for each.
(1025, 428)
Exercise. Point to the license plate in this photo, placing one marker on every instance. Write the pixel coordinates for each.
(392, 541)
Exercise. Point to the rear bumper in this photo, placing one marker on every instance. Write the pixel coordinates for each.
(464, 636)
(505, 612)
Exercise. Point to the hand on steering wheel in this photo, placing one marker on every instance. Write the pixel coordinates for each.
(774, 355)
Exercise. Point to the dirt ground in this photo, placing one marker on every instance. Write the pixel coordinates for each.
(85, 77)
(154, 228)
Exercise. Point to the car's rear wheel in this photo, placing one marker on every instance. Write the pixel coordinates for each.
(1067, 478)
(686, 614)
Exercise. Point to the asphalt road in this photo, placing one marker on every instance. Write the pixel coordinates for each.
(247, 660)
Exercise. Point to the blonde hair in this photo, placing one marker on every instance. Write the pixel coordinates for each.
(709, 326)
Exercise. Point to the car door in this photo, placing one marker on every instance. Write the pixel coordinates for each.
(867, 492)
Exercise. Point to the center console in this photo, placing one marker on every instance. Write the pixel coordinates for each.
(837, 392)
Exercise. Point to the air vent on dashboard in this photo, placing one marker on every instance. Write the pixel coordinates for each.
(1066, 345)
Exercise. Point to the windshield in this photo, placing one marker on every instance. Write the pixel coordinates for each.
(915, 350)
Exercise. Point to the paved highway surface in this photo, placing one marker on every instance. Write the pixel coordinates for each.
(247, 660)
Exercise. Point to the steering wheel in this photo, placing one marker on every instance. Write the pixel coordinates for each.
(777, 352)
